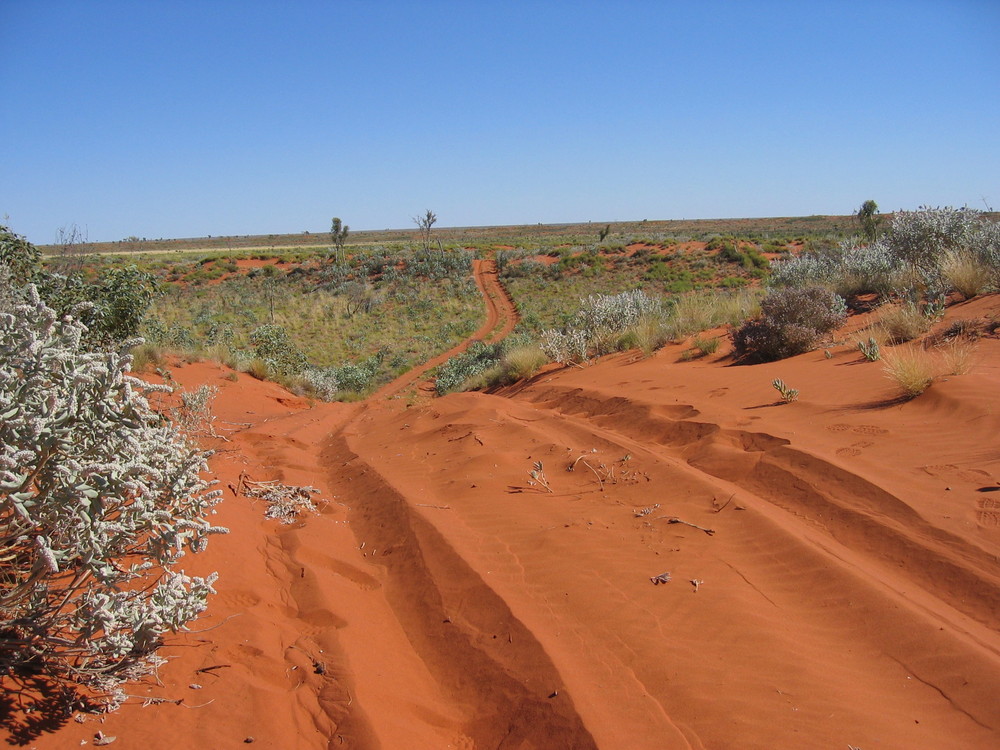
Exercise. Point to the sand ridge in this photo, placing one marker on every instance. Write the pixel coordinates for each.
(833, 564)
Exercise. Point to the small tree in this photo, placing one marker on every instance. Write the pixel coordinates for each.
(869, 219)
(100, 497)
(73, 250)
(424, 224)
(338, 234)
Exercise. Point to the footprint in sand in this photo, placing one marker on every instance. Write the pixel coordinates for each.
(951, 471)
(855, 448)
(870, 429)
(838, 427)
(988, 513)
(718, 392)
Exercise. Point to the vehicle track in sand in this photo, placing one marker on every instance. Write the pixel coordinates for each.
(501, 318)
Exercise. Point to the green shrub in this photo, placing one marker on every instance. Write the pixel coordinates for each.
(275, 348)
(21, 257)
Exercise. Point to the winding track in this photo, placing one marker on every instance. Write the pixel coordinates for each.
(501, 318)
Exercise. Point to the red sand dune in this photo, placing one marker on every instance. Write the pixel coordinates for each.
(845, 549)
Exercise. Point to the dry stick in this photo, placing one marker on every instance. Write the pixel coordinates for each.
(572, 466)
(439, 507)
(214, 666)
(719, 510)
(674, 519)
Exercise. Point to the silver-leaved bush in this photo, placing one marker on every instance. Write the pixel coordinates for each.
(100, 498)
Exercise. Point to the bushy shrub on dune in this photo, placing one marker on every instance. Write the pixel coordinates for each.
(792, 321)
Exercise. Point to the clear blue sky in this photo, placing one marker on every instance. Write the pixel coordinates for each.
(181, 118)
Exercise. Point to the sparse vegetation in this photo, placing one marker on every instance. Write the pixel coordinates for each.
(870, 349)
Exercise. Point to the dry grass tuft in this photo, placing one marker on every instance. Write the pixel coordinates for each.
(902, 323)
(911, 368)
(966, 274)
(958, 356)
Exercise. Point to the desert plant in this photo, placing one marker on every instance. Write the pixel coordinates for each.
(706, 345)
(912, 369)
(921, 238)
(870, 349)
(958, 356)
(273, 345)
(424, 224)
(869, 219)
(792, 321)
(517, 362)
(787, 394)
(100, 497)
(21, 257)
(902, 323)
(599, 326)
(338, 235)
(966, 273)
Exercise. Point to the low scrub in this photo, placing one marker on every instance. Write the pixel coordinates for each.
(484, 365)
(602, 324)
(792, 321)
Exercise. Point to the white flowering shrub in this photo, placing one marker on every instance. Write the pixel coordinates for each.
(851, 269)
(921, 238)
(322, 381)
(565, 347)
(100, 498)
(598, 325)
(924, 254)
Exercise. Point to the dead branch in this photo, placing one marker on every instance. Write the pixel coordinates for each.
(674, 519)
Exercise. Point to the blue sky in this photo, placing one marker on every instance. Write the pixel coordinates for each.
(181, 119)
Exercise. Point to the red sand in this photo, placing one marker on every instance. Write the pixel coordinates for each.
(442, 598)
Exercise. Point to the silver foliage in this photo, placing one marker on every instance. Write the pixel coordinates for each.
(100, 498)
(595, 327)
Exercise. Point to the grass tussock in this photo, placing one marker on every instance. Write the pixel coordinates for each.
(147, 357)
(911, 368)
(517, 364)
(648, 335)
(898, 324)
(701, 311)
(958, 356)
(966, 274)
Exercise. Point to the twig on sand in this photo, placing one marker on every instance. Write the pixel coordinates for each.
(645, 511)
(662, 578)
(674, 519)
(572, 466)
(723, 506)
(696, 582)
(439, 507)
